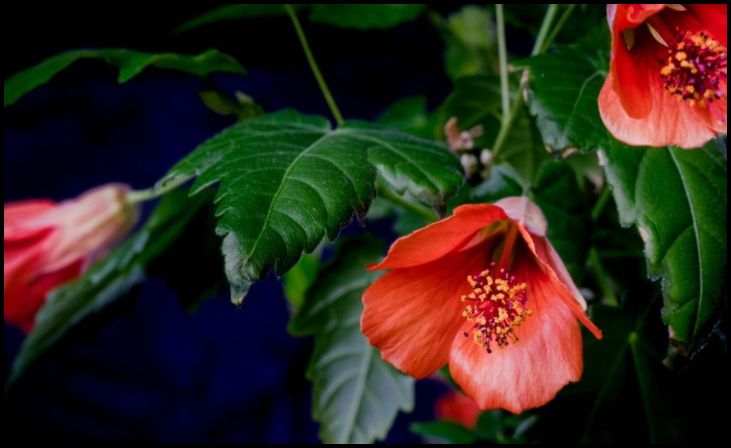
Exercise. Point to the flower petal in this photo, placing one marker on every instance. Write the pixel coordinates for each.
(713, 19)
(412, 314)
(670, 122)
(564, 286)
(436, 240)
(17, 214)
(530, 372)
(524, 212)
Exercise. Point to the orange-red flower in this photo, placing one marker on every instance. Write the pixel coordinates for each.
(485, 291)
(667, 78)
(47, 244)
(457, 407)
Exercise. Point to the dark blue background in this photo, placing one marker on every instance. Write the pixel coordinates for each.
(145, 369)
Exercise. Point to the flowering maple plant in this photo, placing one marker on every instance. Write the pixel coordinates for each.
(557, 268)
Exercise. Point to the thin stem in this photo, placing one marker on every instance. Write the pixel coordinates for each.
(503, 59)
(313, 65)
(137, 196)
(557, 29)
(388, 194)
(545, 26)
(602, 278)
(542, 41)
(596, 212)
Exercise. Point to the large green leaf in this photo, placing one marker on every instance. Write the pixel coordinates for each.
(130, 64)
(677, 198)
(288, 180)
(364, 16)
(109, 279)
(356, 394)
(562, 92)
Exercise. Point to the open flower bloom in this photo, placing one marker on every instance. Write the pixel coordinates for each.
(47, 244)
(667, 79)
(485, 291)
(457, 407)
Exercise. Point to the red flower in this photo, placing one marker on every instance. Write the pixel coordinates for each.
(48, 244)
(667, 79)
(485, 291)
(457, 407)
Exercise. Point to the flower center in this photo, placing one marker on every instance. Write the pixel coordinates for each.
(496, 305)
(695, 69)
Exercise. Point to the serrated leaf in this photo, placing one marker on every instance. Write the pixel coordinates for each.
(558, 195)
(130, 64)
(562, 91)
(356, 394)
(107, 280)
(288, 180)
(677, 198)
(365, 16)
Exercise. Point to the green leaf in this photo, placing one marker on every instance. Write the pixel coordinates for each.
(562, 92)
(234, 12)
(356, 394)
(130, 64)
(364, 16)
(109, 279)
(558, 195)
(288, 180)
(408, 115)
(626, 360)
(677, 198)
(444, 432)
(470, 43)
(361, 16)
(298, 279)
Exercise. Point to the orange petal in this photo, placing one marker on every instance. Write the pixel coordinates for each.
(412, 314)
(670, 122)
(436, 240)
(713, 19)
(528, 373)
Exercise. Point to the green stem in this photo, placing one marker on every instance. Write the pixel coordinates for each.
(543, 32)
(313, 65)
(386, 193)
(557, 29)
(503, 60)
(596, 212)
(137, 196)
(602, 278)
(542, 41)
